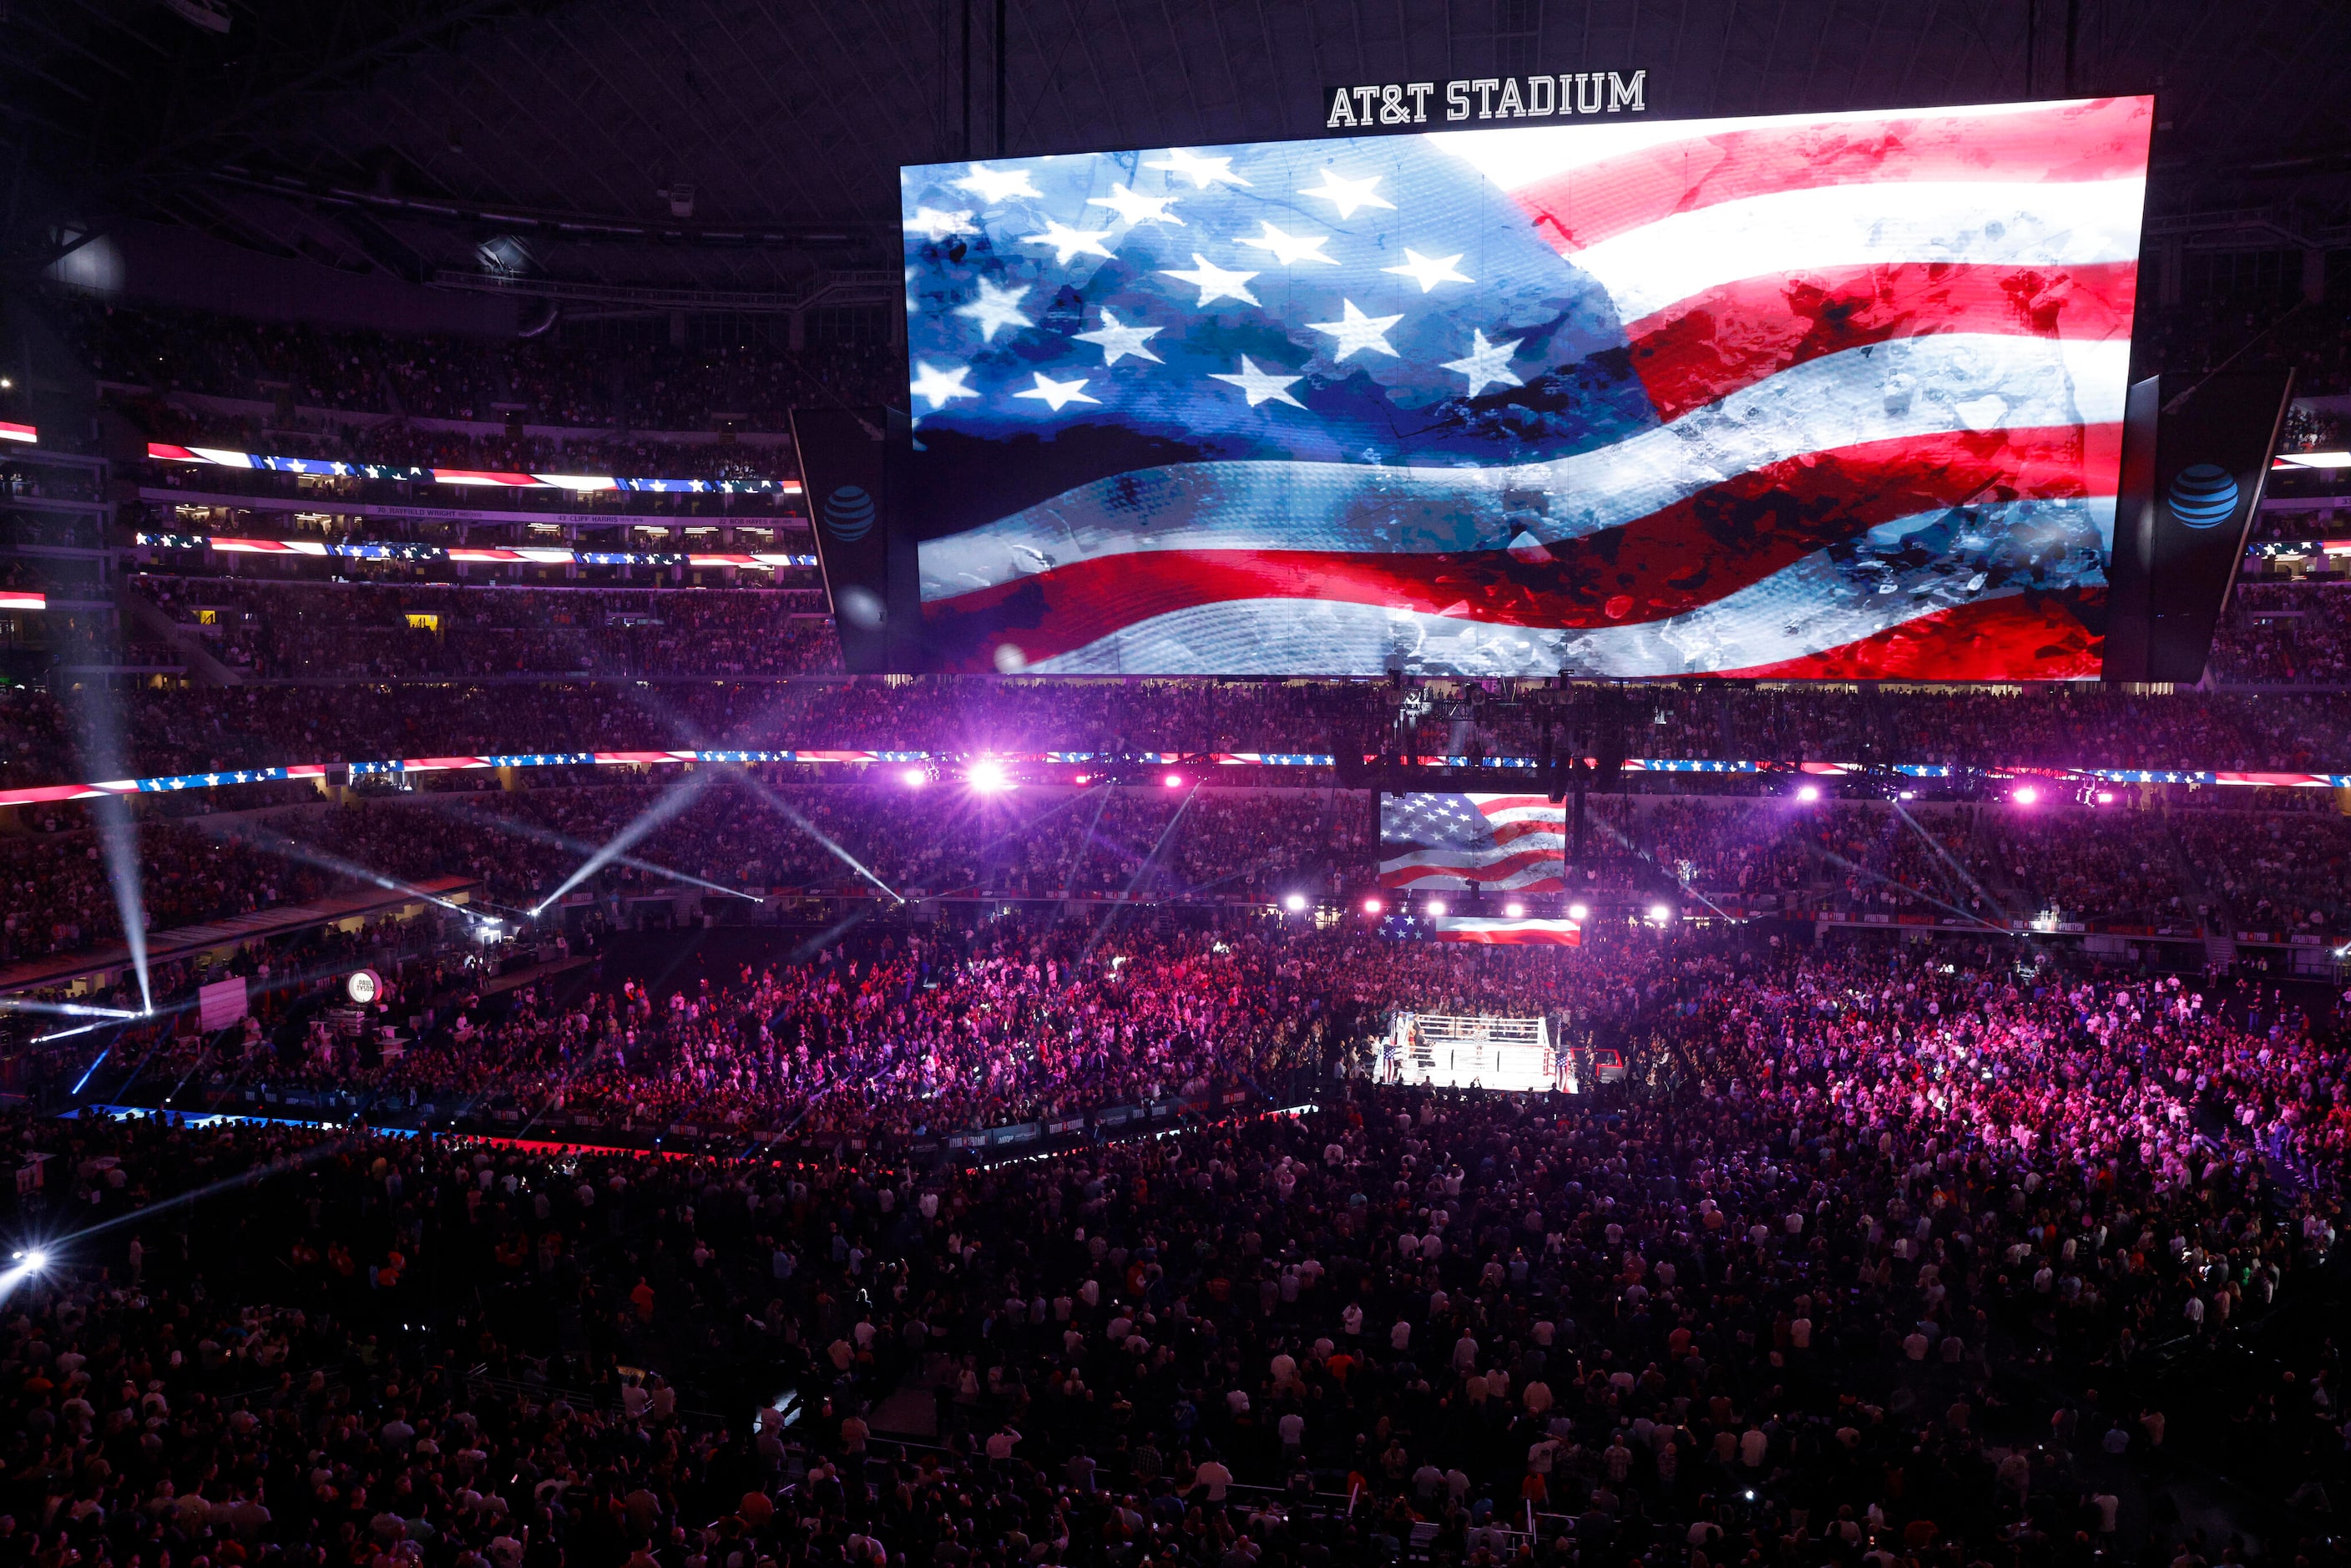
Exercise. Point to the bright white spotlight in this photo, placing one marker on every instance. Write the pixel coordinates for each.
(1373, 907)
(1436, 908)
(1174, 782)
(2026, 795)
(1515, 910)
(1295, 904)
(988, 776)
(2106, 796)
(1660, 915)
(1577, 912)
(1808, 793)
(34, 1258)
(912, 777)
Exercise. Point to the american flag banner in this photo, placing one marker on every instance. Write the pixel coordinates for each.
(1507, 933)
(1828, 395)
(1506, 843)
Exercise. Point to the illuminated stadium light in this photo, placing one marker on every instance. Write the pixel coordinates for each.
(1577, 912)
(34, 1258)
(913, 778)
(1808, 793)
(1295, 904)
(1436, 908)
(1659, 914)
(1173, 781)
(2025, 795)
(988, 776)
(2106, 796)
(1373, 907)
(1515, 910)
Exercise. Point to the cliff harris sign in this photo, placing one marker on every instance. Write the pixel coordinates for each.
(1403, 105)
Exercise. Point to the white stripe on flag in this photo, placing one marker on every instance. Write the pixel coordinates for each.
(2026, 224)
(1934, 385)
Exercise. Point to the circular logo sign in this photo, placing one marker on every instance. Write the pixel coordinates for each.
(849, 513)
(363, 986)
(2203, 496)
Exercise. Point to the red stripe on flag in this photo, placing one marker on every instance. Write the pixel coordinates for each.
(1715, 343)
(2071, 143)
(2028, 636)
(1680, 558)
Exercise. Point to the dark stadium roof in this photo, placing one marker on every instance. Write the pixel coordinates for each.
(401, 137)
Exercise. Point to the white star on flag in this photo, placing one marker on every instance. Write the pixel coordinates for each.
(939, 385)
(1357, 332)
(1053, 393)
(1258, 385)
(1487, 363)
(1119, 340)
(1426, 273)
(1135, 209)
(936, 225)
(1213, 281)
(993, 185)
(1202, 172)
(1068, 242)
(994, 308)
(1288, 248)
(1348, 194)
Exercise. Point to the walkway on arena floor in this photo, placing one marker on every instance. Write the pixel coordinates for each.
(279, 920)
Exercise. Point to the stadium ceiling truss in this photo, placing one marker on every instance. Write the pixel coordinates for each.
(750, 147)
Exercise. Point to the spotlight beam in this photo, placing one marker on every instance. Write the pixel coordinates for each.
(293, 848)
(63, 1009)
(522, 829)
(664, 806)
(1149, 861)
(758, 786)
(1958, 872)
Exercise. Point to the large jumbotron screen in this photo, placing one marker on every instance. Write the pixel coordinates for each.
(1829, 395)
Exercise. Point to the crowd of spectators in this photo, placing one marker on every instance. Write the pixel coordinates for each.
(558, 379)
(2283, 635)
(278, 631)
(1940, 1255)
(765, 834)
(1887, 1259)
(45, 737)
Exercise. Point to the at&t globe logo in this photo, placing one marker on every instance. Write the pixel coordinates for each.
(849, 513)
(2203, 496)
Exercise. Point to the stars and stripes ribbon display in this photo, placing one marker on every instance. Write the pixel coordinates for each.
(223, 458)
(526, 555)
(1831, 395)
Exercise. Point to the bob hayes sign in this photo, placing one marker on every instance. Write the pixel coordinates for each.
(1401, 104)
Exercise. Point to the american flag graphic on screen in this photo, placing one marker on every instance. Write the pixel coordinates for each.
(1506, 842)
(1832, 396)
